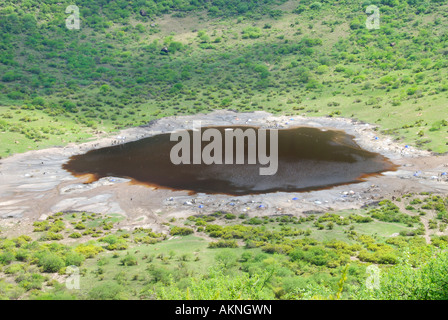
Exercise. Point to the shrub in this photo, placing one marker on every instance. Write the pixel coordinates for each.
(51, 262)
(31, 281)
(13, 269)
(405, 282)
(74, 259)
(314, 255)
(75, 235)
(40, 226)
(181, 231)
(106, 291)
(230, 216)
(51, 236)
(22, 255)
(254, 221)
(6, 257)
(251, 32)
(129, 260)
(223, 244)
(88, 250)
(277, 248)
(322, 69)
(80, 226)
(226, 257)
(111, 239)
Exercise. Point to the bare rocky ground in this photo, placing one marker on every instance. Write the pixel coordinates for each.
(34, 185)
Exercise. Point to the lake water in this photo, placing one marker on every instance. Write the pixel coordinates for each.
(308, 159)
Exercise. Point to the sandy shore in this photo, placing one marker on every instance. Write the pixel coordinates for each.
(33, 184)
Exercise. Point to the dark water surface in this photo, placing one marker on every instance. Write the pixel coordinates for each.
(308, 159)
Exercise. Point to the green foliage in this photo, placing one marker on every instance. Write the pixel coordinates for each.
(314, 255)
(251, 32)
(49, 236)
(75, 235)
(223, 244)
(254, 221)
(292, 265)
(389, 212)
(118, 243)
(30, 281)
(50, 262)
(88, 250)
(6, 257)
(230, 216)
(218, 286)
(129, 260)
(405, 282)
(380, 257)
(74, 259)
(181, 231)
(226, 258)
(107, 291)
(80, 226)
(101, 81)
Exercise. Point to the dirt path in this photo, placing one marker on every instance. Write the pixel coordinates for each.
(426, 235)
(424, 219)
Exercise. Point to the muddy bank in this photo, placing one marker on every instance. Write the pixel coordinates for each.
(34, 184)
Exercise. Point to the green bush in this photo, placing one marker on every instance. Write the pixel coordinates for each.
(22, 255)
(88, 250)
(51, 262)
(74, 259)
(223, 244)
(75, 235)
(80, 226)
(107, 291)
(230, 216)
(254, 221)
(181, 231)
(251, 32)
(6, 257)
(129, 260)
(314, 255)
(51, 236)
(405, 282)
(13, 269)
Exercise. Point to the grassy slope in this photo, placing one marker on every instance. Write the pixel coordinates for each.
(182, 258)
(266, 72)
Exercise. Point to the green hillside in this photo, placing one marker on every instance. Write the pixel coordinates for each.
(224, 256)
(313, 58)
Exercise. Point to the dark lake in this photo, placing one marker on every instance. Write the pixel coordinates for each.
(308, 159)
